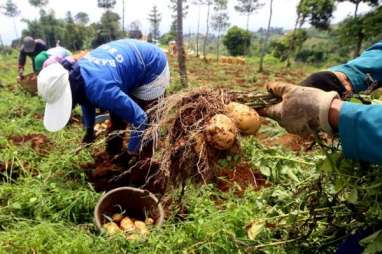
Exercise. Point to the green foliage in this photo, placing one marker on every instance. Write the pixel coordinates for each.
(373, 243)
(169, 36)
(71, 35)
(312, 56)
(108, 29)
(82, 18)
(291, 42)
(247, 7)
(10, 9)
(107, 4)
(220, 21)
(358, 30)
(134, 30)
(318, 12)
(38, 3)
(307, 205)
(237, 41)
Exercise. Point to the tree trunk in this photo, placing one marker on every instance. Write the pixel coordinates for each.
(356, 8)
(1, 41)
(218, 47)
(207, 31)
(248, 15)
(292, 46)
(15, 27)
(197, 33)
(263, 48)
(358, 46)
(179, 44)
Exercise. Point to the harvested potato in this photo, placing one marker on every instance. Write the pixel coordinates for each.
(117, 217)
(221, 132)
(127, 225)
(245, 118)
(149, 221)
(112, 228)
(141, 227)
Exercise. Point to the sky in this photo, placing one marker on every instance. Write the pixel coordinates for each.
(284, 14)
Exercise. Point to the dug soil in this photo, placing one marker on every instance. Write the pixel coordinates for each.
(39, 142)
(240, 178)
(106, 175)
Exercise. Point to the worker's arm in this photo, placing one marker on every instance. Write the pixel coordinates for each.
(304, 110)
(357, 70)
(354, 76)
(21, 63)
(360, 129)
(113, 99)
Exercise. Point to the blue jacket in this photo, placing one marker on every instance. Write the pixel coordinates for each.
(111, 72)
(360, 126)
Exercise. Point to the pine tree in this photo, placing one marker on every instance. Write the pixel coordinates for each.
(155, 18)
(247, 8)
(198, 3)
(264, 46)
(209, 4)
(220, 21)
(11, 10)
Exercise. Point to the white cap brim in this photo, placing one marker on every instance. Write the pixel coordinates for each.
(57, 114)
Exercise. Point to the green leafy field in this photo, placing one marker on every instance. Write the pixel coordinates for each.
(309, 204)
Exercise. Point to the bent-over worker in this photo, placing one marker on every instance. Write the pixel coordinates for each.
(122, 77)
(31, 48)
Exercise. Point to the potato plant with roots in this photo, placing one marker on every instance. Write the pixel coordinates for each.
(229, 181)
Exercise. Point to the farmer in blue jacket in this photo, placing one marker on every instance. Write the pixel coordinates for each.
(304, 110)
(123, 77)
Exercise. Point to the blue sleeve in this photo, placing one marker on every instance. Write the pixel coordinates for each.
(360, 129)
(113, 99)
(89, 113)
(370, 62)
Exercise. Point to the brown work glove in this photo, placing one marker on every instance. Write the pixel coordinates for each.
(303, 110)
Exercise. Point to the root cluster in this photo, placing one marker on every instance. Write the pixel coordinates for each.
(177, 122)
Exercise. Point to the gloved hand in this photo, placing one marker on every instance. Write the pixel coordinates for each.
(89, 136)
(303, 110)
(21, 73)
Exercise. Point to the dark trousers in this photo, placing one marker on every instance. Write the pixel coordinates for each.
(114, 142)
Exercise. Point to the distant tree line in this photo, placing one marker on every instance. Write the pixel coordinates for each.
(322, 41)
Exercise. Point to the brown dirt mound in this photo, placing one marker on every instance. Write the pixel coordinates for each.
(105, 175)
(241, 178)
(39, 142)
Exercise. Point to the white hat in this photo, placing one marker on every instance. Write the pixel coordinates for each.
(53, 85)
